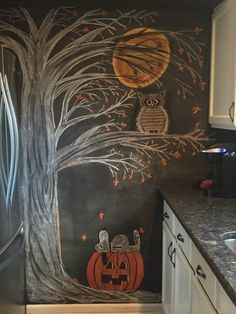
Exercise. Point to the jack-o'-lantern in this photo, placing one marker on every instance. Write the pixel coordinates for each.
(115, 271)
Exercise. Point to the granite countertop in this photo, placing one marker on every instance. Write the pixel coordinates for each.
(205, 219)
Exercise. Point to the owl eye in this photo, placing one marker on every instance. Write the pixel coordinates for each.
(155, 101)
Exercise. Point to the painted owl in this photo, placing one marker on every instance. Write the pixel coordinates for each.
(152, 117)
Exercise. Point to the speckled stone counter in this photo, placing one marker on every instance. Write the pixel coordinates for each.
(205, 219)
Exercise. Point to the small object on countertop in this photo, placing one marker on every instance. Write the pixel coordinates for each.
(204, 184)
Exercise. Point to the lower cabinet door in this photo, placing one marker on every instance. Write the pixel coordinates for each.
(200, 303)
(183, 278)
(167, 271)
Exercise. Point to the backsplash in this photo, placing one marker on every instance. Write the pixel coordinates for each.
(111, 102)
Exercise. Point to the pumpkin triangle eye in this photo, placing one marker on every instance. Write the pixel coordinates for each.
(110, 265)
(123, 265)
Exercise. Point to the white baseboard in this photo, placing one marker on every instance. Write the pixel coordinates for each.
(129, 308)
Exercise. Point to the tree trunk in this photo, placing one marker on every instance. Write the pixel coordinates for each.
(46, 280)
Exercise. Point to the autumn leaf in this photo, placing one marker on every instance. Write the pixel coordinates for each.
(177, 155)
(101, 215)
(130, 176)
(86, 30)
(196, 109)
(84, 237)
(123, 125)
(79, 97)
(197, 30)
(115, 182)
(181, 50)
(200, 63)
(163, 162)
(181, 68)
(202, 85)
(141, 230)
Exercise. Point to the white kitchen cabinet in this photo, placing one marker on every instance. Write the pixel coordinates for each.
(188, 284)
(200, 303)
(224, 304)
(182, 283)
(177, 272)
(223, 67)
(204, 274)
(167, 270)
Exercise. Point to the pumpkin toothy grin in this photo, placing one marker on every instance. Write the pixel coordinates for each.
(115, 280)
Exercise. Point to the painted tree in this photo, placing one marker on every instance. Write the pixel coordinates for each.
(66, 69)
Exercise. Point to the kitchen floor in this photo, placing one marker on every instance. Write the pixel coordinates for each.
(95, 309)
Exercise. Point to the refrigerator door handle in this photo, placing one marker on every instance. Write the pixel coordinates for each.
(19, 233)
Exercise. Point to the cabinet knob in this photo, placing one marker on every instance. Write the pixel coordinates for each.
(180, 237)
(200, 272)
(231, 114)
(166, 215)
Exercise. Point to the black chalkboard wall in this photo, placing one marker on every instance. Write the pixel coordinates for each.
(112, 101)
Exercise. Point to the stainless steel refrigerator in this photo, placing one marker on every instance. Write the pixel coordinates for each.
(12, 282)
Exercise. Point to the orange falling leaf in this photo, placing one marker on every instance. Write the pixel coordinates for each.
(86, 30)
(181, 68)
(197, 30)
(106, 99)
(124, 177)
(177, 155)
(115, 182)
(163, 162)
(196, 109)
(200, 63)
(202, 85)
(79, 97)
(130, 176)
(101, 215)
(181, 50)
(123, 125)
(84, 237)
(141, 230)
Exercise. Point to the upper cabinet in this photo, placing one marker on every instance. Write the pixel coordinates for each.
(223, 67)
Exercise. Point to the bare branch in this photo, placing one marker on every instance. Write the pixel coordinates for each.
(67, 155)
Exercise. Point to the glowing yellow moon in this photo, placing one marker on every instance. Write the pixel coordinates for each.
(142, 58)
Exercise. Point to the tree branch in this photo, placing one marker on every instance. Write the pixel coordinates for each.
(138, 141)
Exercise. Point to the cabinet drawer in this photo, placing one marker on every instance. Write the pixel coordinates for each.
(204, 274)
(224, 304)
(168, 216)
(182, 238)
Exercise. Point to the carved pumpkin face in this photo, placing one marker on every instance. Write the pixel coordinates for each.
(115, 271)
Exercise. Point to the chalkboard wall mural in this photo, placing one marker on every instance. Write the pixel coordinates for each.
(81, 74)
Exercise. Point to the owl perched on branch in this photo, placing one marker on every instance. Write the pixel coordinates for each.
(153, 117)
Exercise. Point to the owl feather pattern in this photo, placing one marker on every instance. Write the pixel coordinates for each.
(153, 117)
